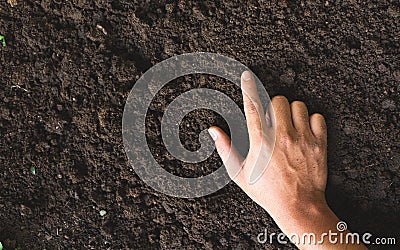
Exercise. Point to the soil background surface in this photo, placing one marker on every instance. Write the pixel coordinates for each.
(68, 68)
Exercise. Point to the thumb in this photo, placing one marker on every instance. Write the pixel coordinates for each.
(228, 153)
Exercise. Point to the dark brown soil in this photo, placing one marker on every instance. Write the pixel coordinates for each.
(64, 83)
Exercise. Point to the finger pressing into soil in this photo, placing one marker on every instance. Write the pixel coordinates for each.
(283, 114)
(252, 107)
(300, 117)
(318, 127)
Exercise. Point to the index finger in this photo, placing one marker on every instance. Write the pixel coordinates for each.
(253, 108)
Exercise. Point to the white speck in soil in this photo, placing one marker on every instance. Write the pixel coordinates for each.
(102, 213)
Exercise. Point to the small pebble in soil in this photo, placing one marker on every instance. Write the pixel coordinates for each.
(102, 29)
(12, 2)
(102, 213)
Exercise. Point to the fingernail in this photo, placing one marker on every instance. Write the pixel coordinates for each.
(246, 75)
(213, 134)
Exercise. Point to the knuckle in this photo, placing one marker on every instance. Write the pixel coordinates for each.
(302, 136)
(283, 130)
(252, 107)
(318, 149)
(286, 140)
(222, 150)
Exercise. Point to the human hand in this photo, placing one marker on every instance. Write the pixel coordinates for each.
(292, 187)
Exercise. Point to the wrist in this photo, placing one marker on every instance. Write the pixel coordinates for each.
(308, 218)
(313, 219)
